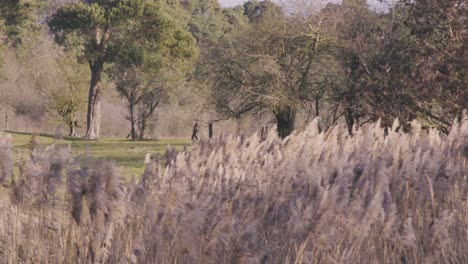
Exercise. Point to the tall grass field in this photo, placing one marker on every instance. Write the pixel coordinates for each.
(380, 196)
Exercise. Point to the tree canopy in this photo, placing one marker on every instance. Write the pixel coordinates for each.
(281, 71)
(344, 60)
(18, 24)
(284, 62)
(126, 32)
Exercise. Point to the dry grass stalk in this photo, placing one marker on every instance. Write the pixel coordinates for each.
(312, 198)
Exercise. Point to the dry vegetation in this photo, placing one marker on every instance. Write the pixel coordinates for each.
(315, 197)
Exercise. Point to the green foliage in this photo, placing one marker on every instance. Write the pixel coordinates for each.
(255, 10)
(129, 33)
(211, 26)
(206, 21)
(19, 20)
(70, 99)
(2, 46)
(235, 18)
(183, 45)
(148, 53)
(345, 60)
(356, 3)
(134, 27)
(18, 25)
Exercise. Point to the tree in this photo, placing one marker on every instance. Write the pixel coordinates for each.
(256, 11)
(366, 90)
(143, 73)
(356, 4)
(273, 64)
(69, 99)
(208, 23)
(54, 78)
(18, 32)
(142, 93)
(145, 88)
(19, 20)
(17, 24)
(404, 64)
(2, 45)
(439, 36)
(107, 31)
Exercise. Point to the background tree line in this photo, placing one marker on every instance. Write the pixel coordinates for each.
(345, 62)
(285, 63)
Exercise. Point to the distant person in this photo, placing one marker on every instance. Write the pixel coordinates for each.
(195, 132)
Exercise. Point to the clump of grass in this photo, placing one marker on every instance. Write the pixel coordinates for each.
(377, 197)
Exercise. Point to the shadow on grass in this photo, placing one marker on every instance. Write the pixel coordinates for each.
(68, 138)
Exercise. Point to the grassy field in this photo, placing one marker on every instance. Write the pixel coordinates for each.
(129, 155)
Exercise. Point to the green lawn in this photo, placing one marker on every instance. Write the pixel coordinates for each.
(129, 155)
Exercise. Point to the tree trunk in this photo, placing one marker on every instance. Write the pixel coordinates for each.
(210, 130)
(142, 127)
(264, 133)
(146, 111)
(195, 132)
(285, 122)
(317, 106)
(72, 129)
(133, 135)
(6, 113)
(93, 118)
(72, 124)
(349, 120)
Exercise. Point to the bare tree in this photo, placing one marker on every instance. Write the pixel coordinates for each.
(143, 93)
(278, 63)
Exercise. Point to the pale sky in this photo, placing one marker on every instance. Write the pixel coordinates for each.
(372, 3)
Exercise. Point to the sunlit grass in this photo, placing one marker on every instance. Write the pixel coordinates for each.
(129, 155)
